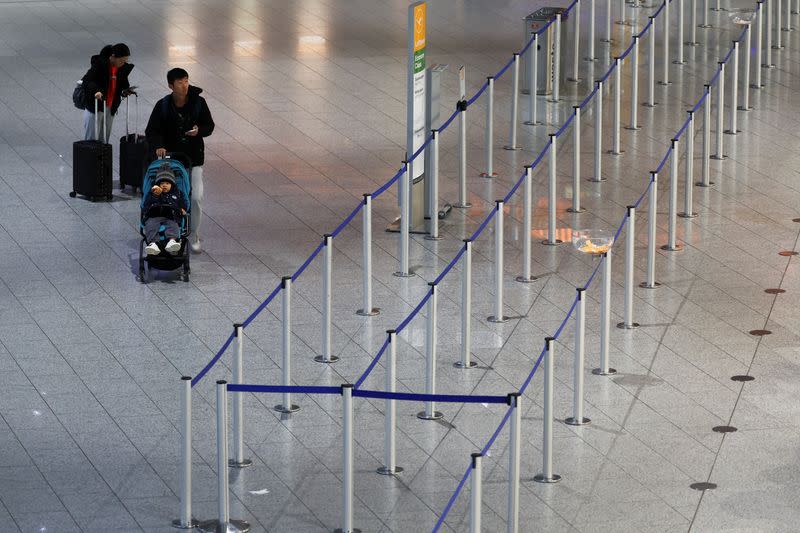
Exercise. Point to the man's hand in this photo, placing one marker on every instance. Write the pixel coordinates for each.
(98, 95)
(161, 152)
(193, 132)
(183, 211)
(156, 190)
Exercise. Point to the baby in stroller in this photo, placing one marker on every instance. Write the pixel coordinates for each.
(164, 206)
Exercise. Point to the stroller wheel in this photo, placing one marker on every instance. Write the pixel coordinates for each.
(73, 194)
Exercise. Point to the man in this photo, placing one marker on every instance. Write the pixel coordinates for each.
(106, 79)
(178, 123)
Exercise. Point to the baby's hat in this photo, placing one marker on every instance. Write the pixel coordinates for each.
(165, 173)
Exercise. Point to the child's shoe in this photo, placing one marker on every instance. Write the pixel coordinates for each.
(173, 246)
(152, 249)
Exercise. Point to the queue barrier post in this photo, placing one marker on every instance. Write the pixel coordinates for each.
(630, 250)
(466, 309)
(433, 212)
(576, 162)
(672, 245)
(634, 120)
(476, 499)
(577, 418)
(598, 134)
(327, 356)
(238, 460)
(547, 475)
(688, 177)
(286, 346)
(748, 40)
(680, 60)
(605, 319)
(366, 235)
(552, 199)
(390, 467)
(512, 134)
(347, 461)
(706, 168)
(527, 226)
(463, 203)
(651, 65)
(616, 149)
(665, 46)
(720, 155)
(652, 210)
(514, 452)
(489, 147)
(498, 316)
(186, 520)
(576, 51)
(533, 67)
(733, 129)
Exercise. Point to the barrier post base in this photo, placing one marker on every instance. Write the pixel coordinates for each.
(374, 312)
(742, 108)
(632, 325)
(487, 175)
(403, 274)
(462, 206)
(243, 464)
(597, 180)
(515, 147)
(650, 105)
(553, 243)
(572, 421)
(632, 128)
(581, 210)
(340, 530)
(645, 285)
(321, 359)
(716, 157)
(668, 248)
(601, 372)
(687, 215)
(701, 184)
(537, 123)
(523, 279)
(191, 525)
(541, 478)
(233, 526)
(459, 364)
(386, 471)
(497, 320)
(422, 415)
(287, 410)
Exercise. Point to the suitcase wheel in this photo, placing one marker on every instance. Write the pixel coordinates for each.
(73, 194)
(92, 199)
(109, 197)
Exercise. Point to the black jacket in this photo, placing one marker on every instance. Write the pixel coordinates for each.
(167, 205)
(168, 124)
(97, 78)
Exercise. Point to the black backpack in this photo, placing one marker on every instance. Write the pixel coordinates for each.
(79, 96)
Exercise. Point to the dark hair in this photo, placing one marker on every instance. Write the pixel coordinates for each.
(120, 50)
(175, 74)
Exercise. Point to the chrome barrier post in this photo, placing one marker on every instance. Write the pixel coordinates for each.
(672, 245)
(651, 65)
(547, 475)
(778, 44)
(759, 43)
(366, 232)
(630, 244)
(476, 500)
(576, 52)
(634, 124)
(533, 67)
(238, 460)
(433, 214)
(680, 60)
(327, 296)
(576, 162)
(706, 179)
(404, 184)
(665, 49)
(688, 178)
(693, 25)
(347, 461)
(186, 521)
(615, 147)
(706, 9)
(556, 60)
(598, 134)
(748, 38)
(490, 173)
(652, 204)
(223, 523)
(592, 37)
(390, 467)
(514, 447)
(498, 316)
(286, 345)
(463, 203)
(527, 226)
(512, 134)
(577, 418)
(605, 319)
(551, 194)
(466, 309)
(788, 26)
(768, 47)
(430, 412)
(607, 38)
(720, 111)
(734, 91)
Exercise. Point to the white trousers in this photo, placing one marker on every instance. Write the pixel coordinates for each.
(197, 202)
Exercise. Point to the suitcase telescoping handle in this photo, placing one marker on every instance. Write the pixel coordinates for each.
(97, 120)
(135, 117)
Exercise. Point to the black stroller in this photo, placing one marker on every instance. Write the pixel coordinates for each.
(179, 165)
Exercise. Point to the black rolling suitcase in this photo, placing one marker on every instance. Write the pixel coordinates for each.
(132, 152)
(92, 165)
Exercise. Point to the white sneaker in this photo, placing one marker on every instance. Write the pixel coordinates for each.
(195, 245)
(152, 249)
(173, 246)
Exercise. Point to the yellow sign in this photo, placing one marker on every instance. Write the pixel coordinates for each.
(419, 27)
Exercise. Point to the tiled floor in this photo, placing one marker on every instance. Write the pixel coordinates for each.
(308, 100)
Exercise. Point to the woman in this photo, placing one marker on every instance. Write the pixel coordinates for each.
(106, 79)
